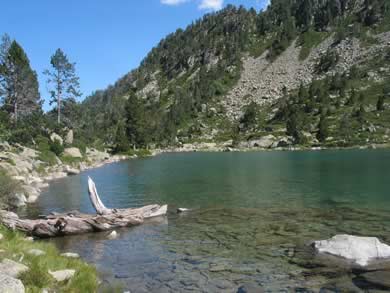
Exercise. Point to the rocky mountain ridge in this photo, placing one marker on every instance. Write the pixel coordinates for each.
(198, 83)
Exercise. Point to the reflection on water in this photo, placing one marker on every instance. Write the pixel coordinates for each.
(253, 216)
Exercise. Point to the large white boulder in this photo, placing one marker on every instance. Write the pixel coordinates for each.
(10, 285)
(361, 250)
(73, 152)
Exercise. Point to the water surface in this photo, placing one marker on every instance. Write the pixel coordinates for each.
(252, 216)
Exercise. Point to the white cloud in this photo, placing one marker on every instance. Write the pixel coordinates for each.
(263, 4)
(173, 2)
(204, 4)
(211, 4)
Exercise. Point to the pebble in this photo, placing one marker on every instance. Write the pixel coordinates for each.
(70, 255)
(36, 252)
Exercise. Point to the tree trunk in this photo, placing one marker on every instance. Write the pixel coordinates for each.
(59, 110)
(16, 111)
(73, 223)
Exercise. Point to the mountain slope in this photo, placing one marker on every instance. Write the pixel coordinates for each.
(231, 74)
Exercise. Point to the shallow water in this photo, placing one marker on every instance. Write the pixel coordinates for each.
(253, 216)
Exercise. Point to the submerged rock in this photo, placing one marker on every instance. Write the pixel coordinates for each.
(361, 250)
(10, 285)
(378, 279)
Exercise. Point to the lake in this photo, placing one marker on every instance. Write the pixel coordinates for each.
(253, 217)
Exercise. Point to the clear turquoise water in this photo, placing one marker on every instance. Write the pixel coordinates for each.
(252, 216)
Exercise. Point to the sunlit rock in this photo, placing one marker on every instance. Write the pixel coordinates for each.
(63, 275)
(10, 285)
(11, 268)
(112, 235)
(361, 250)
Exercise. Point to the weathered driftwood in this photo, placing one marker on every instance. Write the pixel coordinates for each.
(72, 223)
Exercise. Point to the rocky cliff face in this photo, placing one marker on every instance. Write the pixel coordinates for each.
(263, 81)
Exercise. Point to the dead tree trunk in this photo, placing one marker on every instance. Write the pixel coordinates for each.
(73, 223)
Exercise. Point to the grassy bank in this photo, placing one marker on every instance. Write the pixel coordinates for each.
(15, 247)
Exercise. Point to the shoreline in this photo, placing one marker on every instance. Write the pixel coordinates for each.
(33, 182)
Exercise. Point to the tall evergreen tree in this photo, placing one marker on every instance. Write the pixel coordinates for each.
(135, 121)
(19, 87)
(65, 84)
(323, 129)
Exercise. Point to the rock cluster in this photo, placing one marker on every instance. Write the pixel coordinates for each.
(23, 165)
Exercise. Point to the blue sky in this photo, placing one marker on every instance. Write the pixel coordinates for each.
(106, 38)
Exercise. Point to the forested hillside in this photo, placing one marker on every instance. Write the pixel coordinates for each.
(306, 72)
(302, 72)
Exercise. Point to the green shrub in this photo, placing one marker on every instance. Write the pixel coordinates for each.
(139, 153)
(70, 160)
(328, 61)
(48, 157)
(42, 143)
(81, 145)
(309, 40)
(8, 187)
(56, 147)
(38, 278)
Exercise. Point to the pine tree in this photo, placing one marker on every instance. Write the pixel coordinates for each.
(135, 121)
(304, 14)
(352, 99)
(121, 141)
(18, 82)
(323, 129)
(63, 80)
(380, 105)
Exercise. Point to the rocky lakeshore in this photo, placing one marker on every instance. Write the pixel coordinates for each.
(23, 164)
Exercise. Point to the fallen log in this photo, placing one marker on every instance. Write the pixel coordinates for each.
(72, 223)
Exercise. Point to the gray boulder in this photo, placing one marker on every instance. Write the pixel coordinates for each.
(11, 268)
(379, 279)
(73, 152)
(63, 275)
(10, 285)
(18, 200)
(69, 137)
